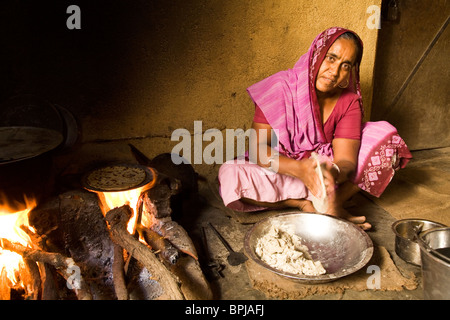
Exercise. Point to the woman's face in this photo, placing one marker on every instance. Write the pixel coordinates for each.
(336, 67)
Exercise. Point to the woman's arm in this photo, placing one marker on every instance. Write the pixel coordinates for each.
(345, 153)
(301, 169)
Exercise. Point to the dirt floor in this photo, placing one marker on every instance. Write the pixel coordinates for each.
(426, 180)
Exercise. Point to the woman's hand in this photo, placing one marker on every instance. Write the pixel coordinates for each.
(307, 173)
(305, 170)
(330, 179)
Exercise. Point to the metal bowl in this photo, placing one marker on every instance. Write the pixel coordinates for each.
(341, 247)
(405, 230)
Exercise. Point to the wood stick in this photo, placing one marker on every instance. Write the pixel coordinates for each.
(117, 219)
(63, 264)
(33, 290)
(49, 289)
(5, 290)
(118, 274)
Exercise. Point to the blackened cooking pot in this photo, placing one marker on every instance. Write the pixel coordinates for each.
(26, 161)
(32, 130)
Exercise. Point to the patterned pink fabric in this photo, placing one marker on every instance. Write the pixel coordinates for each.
(382, 152)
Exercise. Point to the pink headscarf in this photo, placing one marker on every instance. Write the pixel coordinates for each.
(289, 102)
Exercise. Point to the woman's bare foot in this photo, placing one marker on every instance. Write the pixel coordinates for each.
(360, 221)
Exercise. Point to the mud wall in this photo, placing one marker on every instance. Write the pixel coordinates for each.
(138, 70)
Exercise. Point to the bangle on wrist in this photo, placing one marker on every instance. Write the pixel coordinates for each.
(336, 167)
(272, 159)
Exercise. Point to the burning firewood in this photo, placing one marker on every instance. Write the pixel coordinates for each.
(49, 287)
(118, 274)
(87, 241)
(34, 279)
(155, 216)
(63, 264)
(118, 219)
(45, 272)
(161, 245)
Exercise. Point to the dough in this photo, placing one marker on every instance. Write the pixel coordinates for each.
(284, 251)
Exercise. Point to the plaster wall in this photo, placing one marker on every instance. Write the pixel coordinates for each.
(412, 74)
(138, 70)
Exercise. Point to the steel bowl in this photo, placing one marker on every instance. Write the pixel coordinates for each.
(406, 231)
(341, 247)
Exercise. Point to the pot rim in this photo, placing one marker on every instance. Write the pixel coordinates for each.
(426, 249)
(398, 222)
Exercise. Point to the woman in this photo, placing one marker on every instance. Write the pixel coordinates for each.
(314, 108)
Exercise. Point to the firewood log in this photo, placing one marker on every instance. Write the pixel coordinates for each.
(117, 219)
(63, 264)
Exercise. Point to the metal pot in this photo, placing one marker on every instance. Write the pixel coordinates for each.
(26, 162)
(435, 255)
(406, 231)
(32, 131)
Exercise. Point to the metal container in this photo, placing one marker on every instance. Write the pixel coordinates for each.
(26, 163)
(434, 250)
(341, 246)
(405, 231)
(32, 132)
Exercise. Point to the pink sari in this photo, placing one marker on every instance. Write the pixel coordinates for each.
(289, 103)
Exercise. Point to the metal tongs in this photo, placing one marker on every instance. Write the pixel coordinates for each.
(234, 258)
(417, 230)
(214, 269)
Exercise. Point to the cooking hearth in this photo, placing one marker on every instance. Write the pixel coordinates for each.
(104, 240)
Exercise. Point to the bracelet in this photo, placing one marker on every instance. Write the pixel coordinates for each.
(272, 159)
(336, 167)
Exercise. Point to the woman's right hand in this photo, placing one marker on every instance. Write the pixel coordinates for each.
(306, 171)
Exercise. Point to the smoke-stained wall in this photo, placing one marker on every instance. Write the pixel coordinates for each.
(138, 70)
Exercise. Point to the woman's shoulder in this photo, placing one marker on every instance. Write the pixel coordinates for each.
(349, 103)
(349, 95)
(348, 99)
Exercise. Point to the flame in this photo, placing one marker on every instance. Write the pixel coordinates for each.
(111, 200)
(10, 222)
(114, 199)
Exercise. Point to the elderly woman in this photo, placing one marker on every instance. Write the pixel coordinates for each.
(324, 153)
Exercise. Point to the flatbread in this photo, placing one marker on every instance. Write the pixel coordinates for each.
(19, 143)
(116, 178)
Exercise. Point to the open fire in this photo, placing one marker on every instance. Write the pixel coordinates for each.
(91, 243)
(111, 200)
(12, 221)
